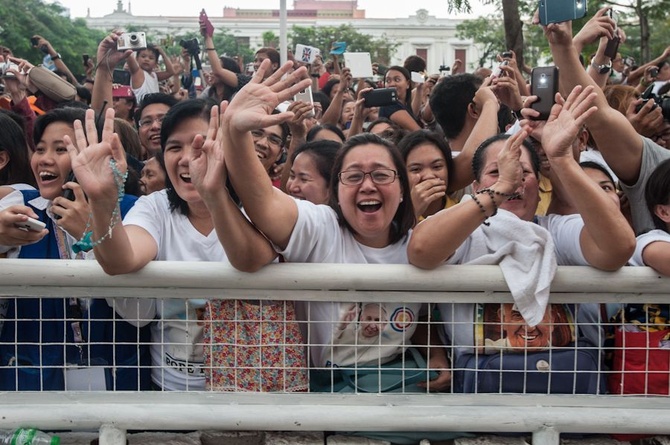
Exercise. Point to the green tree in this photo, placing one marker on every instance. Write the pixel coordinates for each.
(488, 33)
(71, 38)
(270, 39)
(381, 49)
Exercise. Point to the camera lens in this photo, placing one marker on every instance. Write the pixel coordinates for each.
(133, 38)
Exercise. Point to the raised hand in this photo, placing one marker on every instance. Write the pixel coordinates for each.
(510, 171)
(91, 159)
(108, 56)
(566, 119)
(600, 25)
(206, 163)
(252, 106)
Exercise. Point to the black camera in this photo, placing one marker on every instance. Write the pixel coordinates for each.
(192, 46)
(660, 101)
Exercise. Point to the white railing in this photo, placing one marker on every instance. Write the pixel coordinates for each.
(545, 416)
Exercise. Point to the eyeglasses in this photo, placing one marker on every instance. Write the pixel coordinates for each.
(273, 139)
(149, 121)
(380, 176)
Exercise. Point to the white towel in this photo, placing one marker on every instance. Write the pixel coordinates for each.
(525, 253)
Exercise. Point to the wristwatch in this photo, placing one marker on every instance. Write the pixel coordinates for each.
(602, 69)
(57, 56)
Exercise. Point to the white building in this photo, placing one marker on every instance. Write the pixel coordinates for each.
(432, 38)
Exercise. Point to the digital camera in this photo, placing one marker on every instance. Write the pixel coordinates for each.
(660, 101)
(5, 67)
(192, 46)
(131, 40)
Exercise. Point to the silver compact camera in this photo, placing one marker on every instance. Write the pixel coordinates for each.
(131, 40)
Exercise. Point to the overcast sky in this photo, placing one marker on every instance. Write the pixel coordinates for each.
(373, 8)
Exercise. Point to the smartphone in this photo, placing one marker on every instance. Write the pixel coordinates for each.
(612, 47)
(380, 97)
(507, 54)
(556, 11)
(32, 225)
(613, 44)
(122, 77)
(498, 71)
(544, 85)
(34, 41)
(84, 58)
(67, 193)
(306, 96)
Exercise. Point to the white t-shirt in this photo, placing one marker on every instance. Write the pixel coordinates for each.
(643, 241)
(177, 339)
(344, 333)
(149, 86)
(459, 319)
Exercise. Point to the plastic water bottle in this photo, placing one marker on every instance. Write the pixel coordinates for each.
(27, 436)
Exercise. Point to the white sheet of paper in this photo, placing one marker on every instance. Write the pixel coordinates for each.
(360, 64)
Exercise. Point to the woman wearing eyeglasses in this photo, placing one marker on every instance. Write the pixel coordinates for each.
(368, 220)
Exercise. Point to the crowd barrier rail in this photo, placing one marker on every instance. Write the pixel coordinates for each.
(542, 415)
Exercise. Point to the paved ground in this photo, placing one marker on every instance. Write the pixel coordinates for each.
(262, 438)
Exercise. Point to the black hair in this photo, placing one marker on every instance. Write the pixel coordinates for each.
(381, 120)
(314, 131)
(323, 153)
(480, 153)
(404, 218)
(272, 54)
(151, 48)
(85, 94)
(450, 99)
(154, 98)
(13, 141)
(66, 114)
(419, 137)
(322, 98)
(187, 109)
(657, 192)
(596, 166)
(414, 63)
(328, 86)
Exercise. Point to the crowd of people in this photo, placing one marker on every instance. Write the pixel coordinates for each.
(231, 168)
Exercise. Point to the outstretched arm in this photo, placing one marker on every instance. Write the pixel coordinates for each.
(99, 168)
(108, 58)
(272, 211)
(434, 240)
(616, 138)
(485, 105)
(607, 241)
(247, 249)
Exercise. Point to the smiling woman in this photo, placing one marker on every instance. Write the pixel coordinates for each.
(193, 219)
(34, 333)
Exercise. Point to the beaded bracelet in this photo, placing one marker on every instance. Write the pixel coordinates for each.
(85, 243)
(210, 49)
(492, 192)
(481, 207)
